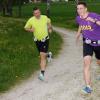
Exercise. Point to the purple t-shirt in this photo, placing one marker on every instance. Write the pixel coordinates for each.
(90, 30)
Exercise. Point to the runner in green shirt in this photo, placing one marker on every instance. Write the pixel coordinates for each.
(40, 26)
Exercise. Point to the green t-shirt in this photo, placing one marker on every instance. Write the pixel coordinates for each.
(39, 25)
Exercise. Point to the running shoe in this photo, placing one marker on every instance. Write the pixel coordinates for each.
(87, 90)
(41, 77)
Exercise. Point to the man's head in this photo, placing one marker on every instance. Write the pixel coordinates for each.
(81, 8)
(36, 12)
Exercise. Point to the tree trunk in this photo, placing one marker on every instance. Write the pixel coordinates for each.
(20, 7)
(7, 7)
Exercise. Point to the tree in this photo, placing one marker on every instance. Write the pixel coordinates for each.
(6, 6)
(19, 7)
(48, 8)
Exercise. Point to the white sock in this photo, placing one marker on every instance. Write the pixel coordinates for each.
(89, 86)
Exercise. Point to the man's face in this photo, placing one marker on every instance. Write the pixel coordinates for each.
(37, 13)
(81, 10)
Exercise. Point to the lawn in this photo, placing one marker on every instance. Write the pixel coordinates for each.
(19, 58)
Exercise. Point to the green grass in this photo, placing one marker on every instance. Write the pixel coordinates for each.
(19, 57)
(62, 14)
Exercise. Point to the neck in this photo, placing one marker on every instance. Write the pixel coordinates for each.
(84, 15)
(38, 17)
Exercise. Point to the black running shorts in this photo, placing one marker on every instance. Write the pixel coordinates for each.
(88, 50)
(42, 46)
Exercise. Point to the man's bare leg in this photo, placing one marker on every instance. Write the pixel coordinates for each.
(43, 60)
(42, 65)
(87, 73)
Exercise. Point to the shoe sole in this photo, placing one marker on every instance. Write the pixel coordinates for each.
(85, 93)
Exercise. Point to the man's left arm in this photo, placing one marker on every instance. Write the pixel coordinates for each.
(95, 20)
(49, 25)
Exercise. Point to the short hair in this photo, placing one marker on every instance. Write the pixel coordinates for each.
(82, 3)
(36, 8)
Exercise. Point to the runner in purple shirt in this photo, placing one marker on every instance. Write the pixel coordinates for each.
(89, 26)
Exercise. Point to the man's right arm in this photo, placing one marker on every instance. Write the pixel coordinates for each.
(28, 27)
(78, 34)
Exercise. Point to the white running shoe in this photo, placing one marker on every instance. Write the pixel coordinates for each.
(49, 56)
(41, 77)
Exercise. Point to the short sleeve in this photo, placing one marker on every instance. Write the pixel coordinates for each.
(28, 24)
(97, 16)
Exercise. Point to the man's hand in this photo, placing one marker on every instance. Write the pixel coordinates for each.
(91, 19)
(50, 30)
(98, 23)
(29, 30)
